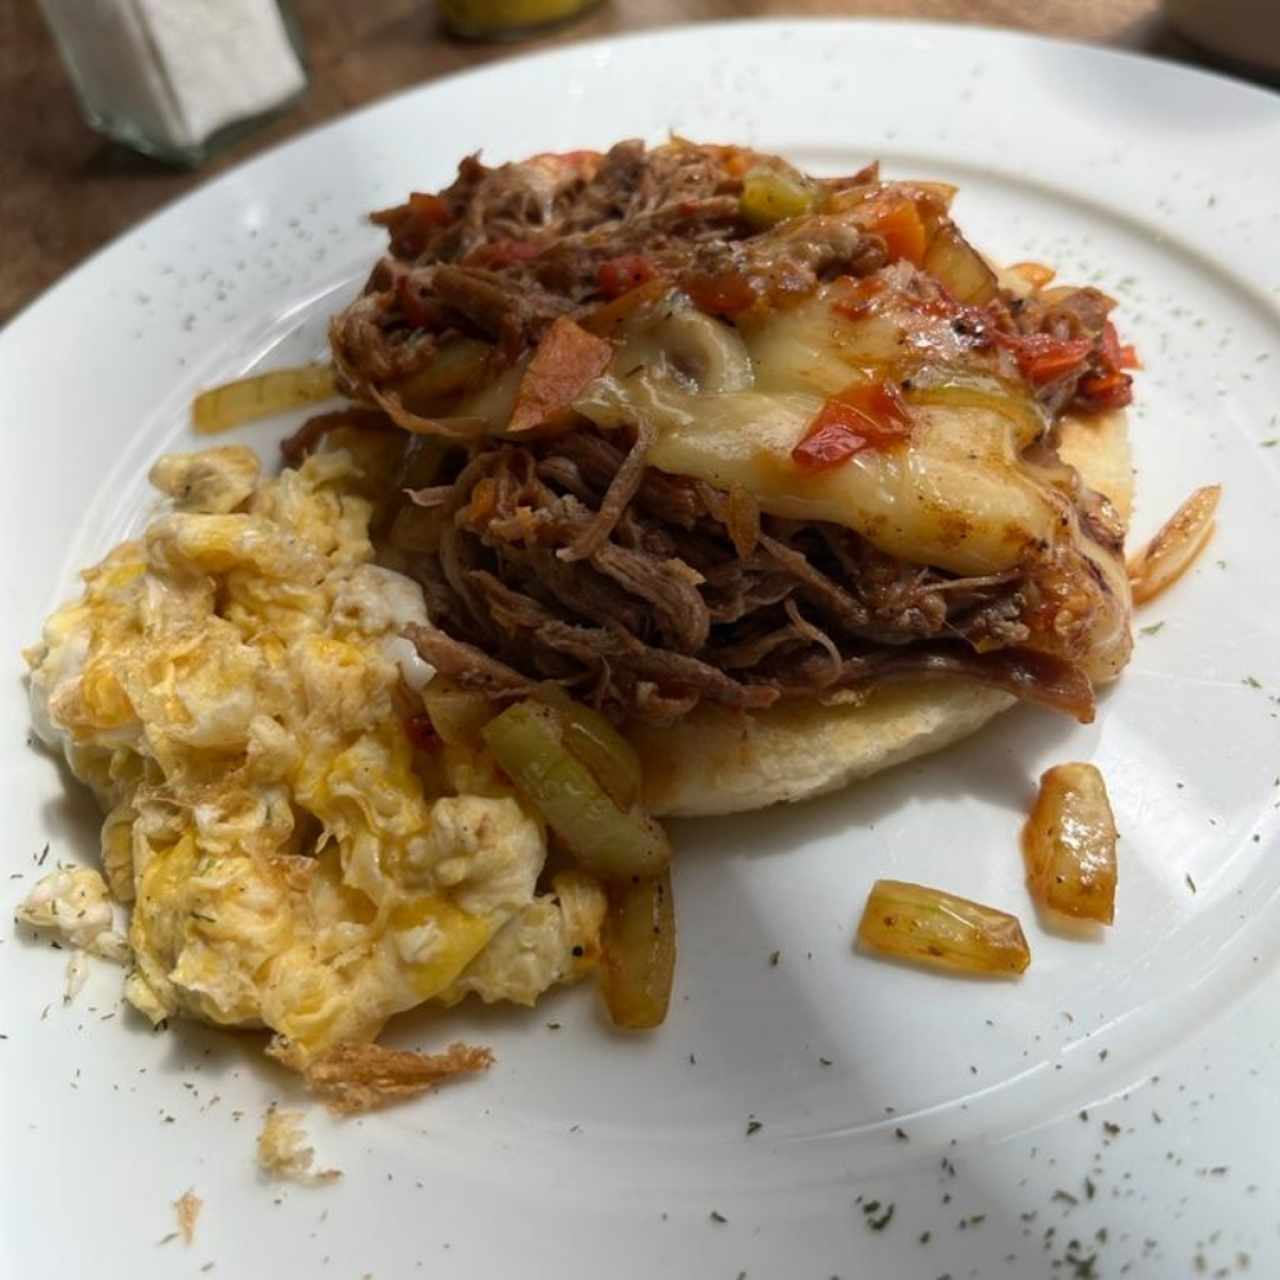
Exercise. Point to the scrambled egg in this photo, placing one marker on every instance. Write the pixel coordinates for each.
(283, 1151)
(73, 904)
(234, 687)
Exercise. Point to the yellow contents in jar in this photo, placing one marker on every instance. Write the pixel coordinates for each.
(477, 18)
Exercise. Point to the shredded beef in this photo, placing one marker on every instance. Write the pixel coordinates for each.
(560, 553)
(502, 252)
(671, 586)
(660, 616)
(470, 666)
(513, 318)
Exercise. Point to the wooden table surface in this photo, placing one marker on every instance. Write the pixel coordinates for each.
(64, 191)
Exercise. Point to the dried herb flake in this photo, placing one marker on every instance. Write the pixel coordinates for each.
(879, 1224)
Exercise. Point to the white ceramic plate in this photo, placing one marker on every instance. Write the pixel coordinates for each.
(1123, 1095)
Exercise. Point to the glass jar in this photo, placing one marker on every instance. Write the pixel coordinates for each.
(176, 78)
(508, 19)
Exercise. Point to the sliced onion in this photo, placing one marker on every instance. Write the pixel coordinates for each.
(528, 742)
(639, 952)
(260, 396)
(1036, 274)
(597, 744)
(937, 929)
(1058, 293)
(943, 192)
(458, 366)
(1070, 844)
(447, 428)
(1173, 550)
(952, 260)
(456, 714)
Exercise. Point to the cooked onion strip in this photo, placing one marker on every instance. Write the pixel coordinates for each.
(937, 929)
(958, 265)
(458, 366)
(1034, 274)
(260, 396)
(456, 714)
(594, 742)
(528, 742)
(1174, 549)
(1070, 843)
(639, 953)
(448, 428)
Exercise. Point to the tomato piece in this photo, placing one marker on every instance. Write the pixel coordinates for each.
(1119, 357)
(567, 359)
(1111, 390)
(866, 415)
(735, 160)
(1044, 365)
(412, 223)
(723, 294)
(620, 275)
(897, 221)
(428, 210)
(1041, 357)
